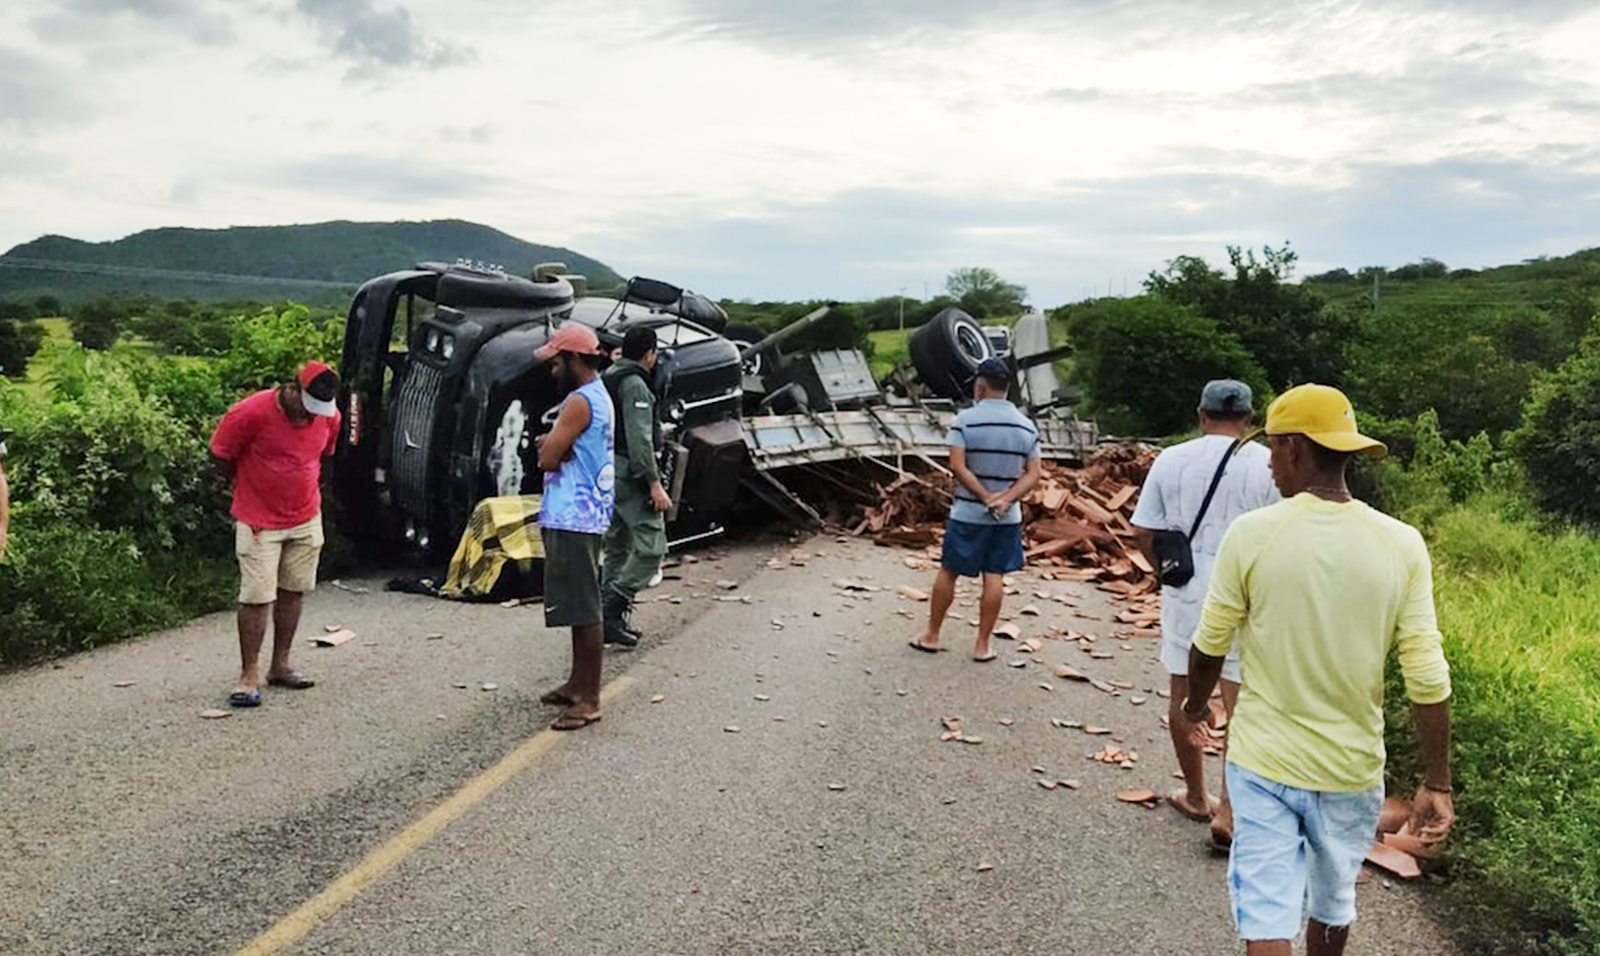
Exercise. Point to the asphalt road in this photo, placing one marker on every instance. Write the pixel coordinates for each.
(833, 821)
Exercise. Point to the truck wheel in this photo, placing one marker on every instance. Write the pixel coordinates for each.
(742, 337)
(946, 351)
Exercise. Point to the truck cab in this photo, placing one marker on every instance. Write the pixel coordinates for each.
(444, 396)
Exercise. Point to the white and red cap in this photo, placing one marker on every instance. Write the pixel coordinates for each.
(319, 389)
(574, 337)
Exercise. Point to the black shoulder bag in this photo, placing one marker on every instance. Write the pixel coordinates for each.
(1172, 547)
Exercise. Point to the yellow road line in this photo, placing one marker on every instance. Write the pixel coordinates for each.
(294, 927)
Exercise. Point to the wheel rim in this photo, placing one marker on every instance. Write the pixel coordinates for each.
(973, 344)
(753, 364)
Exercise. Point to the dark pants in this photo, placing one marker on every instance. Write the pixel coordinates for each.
(635, 542)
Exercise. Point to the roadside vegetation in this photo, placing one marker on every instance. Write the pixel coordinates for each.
(1486, 386)
(118, 518)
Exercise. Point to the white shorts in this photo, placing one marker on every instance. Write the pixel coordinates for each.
(1175, 658)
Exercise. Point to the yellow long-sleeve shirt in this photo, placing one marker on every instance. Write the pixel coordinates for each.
(1316, 593)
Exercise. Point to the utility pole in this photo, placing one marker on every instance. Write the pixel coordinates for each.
(902, 308)
(1375, 290)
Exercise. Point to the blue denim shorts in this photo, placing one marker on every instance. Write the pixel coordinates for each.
(1296, 853)
(973, 549)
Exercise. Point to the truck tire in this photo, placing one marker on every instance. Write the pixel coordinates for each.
(947, 350)
(742, 337)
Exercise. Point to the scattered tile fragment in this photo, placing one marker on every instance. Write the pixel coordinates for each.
(1397, 862)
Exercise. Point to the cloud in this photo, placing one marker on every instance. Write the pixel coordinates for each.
(377, 39)
(405, 182)
(35, 93)
(822, 24)
(1091, 236)
(75, 22)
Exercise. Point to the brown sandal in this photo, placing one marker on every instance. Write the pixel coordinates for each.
(574, 722)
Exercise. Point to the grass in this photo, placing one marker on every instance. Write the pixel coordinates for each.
(888, 349)
(1519, 609)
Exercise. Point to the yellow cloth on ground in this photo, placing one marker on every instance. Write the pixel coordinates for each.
(500, 530)
(1317, 593)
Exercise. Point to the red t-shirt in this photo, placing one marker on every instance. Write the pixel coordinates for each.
(277, 463)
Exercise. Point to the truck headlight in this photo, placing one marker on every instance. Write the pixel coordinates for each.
(447, 347)
(431, 342)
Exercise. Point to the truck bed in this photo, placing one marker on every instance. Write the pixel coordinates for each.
(890, 434)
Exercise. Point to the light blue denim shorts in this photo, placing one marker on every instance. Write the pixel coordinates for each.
(1296, 853)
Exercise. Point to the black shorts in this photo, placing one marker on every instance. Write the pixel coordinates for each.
(571, 578)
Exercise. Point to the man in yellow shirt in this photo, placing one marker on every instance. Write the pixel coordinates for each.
(1316, 590)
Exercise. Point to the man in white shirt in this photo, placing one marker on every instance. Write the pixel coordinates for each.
(1172, 496)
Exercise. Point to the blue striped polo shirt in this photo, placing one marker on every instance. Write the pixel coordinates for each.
(999, 441)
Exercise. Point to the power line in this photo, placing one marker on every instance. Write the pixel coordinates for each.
(141, 272)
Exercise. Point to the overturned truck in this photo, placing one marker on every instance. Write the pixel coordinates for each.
(444, 399)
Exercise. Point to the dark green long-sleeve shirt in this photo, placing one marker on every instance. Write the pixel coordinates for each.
(637, 414)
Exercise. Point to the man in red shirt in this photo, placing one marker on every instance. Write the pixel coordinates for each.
(271, 446)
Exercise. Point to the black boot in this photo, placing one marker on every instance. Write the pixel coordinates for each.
(616, 609)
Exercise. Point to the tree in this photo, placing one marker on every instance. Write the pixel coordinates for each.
(98, 325)
(1470, 361)
(981, 293)
(47, 306)
(1284, 325)
(19, 339)
(1559, 441)
(17, 311)
(1142, 362)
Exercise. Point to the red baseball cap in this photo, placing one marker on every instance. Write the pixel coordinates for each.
(319, 389)
(574, 337)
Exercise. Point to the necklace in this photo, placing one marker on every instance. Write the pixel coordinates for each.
(1329, 492)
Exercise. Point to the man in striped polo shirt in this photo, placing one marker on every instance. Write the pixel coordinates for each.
(994, 455)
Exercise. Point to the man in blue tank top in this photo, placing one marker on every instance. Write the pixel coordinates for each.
(579, 492)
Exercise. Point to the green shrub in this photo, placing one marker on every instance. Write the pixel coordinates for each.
(98, 325)
(67, 587)
(120, 522)
(1143, 361)
(19, 339)
(1559, 441)
(100, 454)
(1517, 607)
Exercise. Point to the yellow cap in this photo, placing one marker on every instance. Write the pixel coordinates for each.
(1322, 414)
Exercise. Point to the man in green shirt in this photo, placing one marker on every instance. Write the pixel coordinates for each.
(637, 538)
(1316, 590)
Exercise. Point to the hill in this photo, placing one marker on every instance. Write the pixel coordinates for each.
(323, 262)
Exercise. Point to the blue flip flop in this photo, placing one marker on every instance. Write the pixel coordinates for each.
(245, 698)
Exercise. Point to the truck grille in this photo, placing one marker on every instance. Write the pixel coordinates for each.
(413, 436)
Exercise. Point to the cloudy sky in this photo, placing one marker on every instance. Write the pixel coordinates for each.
(830, 148)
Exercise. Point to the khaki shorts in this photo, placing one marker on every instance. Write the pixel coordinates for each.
(272, 560)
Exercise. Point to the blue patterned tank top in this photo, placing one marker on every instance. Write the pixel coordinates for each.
(579, 496)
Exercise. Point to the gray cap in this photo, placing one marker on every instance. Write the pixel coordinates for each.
(1226, 396)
